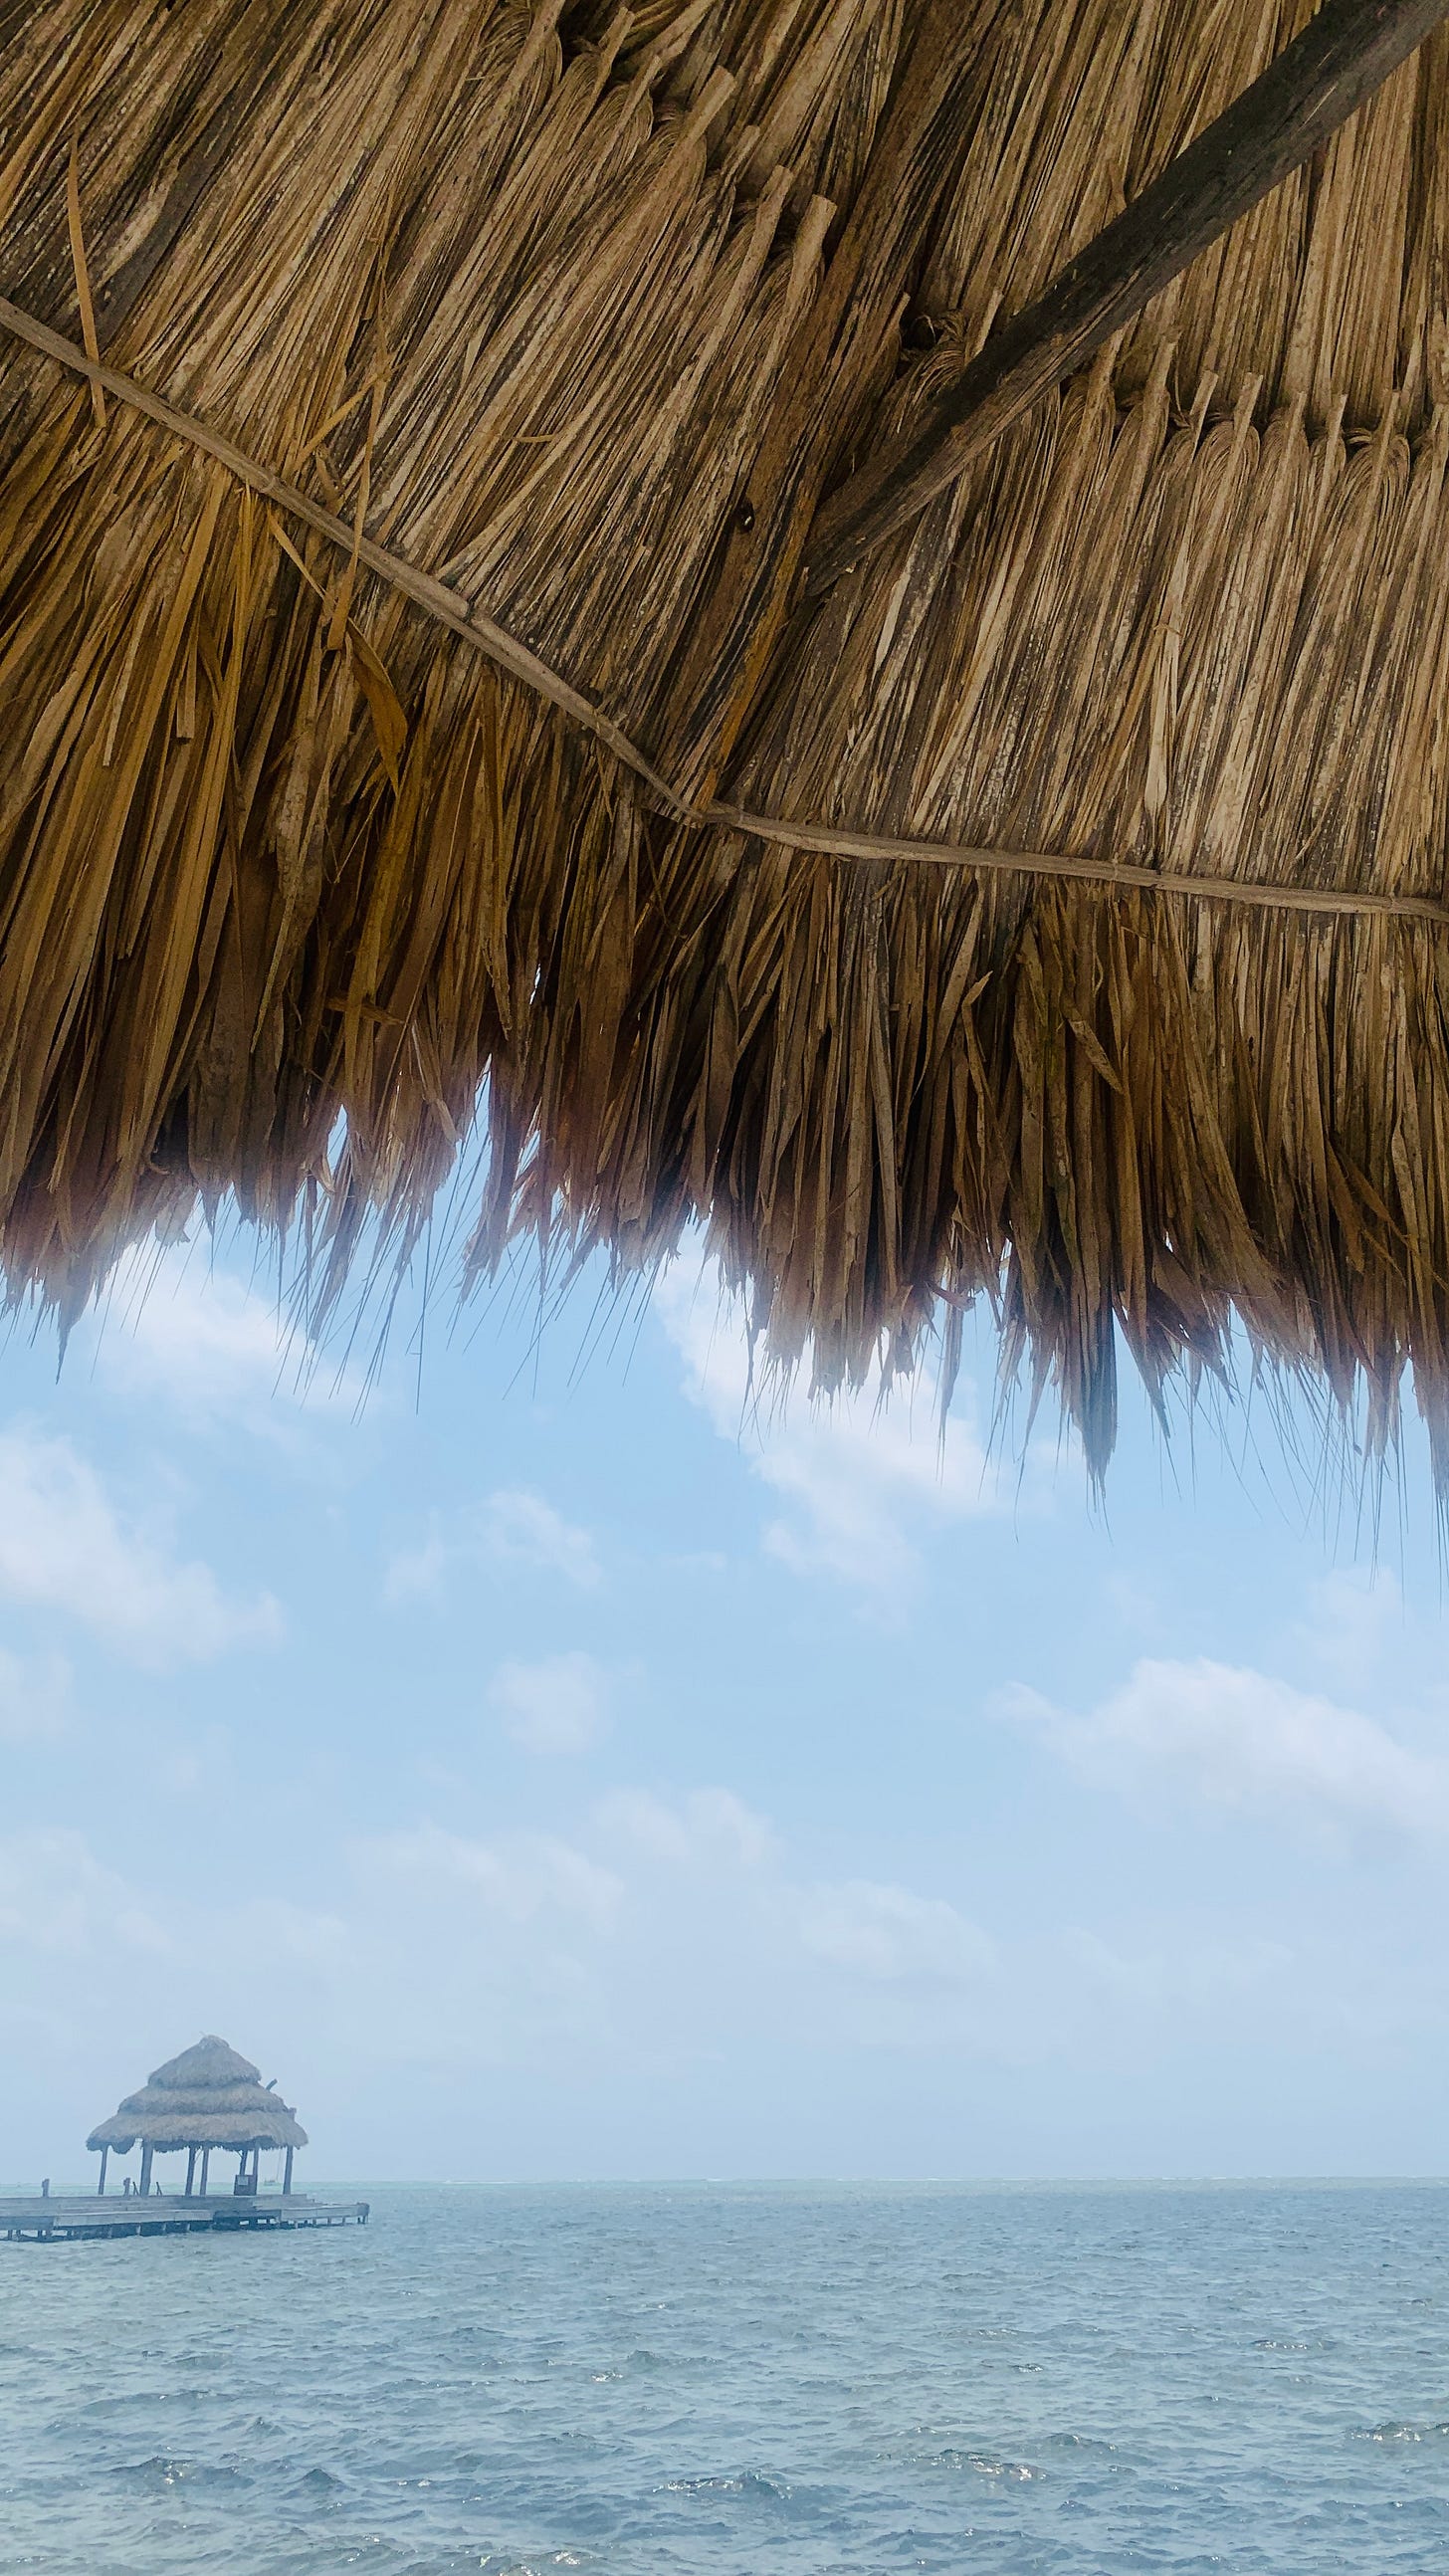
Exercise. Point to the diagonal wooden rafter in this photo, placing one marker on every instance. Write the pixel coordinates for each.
(1344, 54)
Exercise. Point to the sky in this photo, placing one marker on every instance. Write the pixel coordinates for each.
(549, 1761)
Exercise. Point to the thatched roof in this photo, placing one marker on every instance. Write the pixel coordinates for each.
(206, 2097)
(579, 318)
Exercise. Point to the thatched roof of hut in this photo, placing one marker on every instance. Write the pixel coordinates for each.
(206, 2097)
(412, 694)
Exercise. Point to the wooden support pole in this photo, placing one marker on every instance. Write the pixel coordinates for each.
(190, 2170)
(101, 2185)
(145, 2171)
(1342, 56)
(287, 2176)
(205, 2169)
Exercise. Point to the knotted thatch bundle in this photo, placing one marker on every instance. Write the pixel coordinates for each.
(471, 333)
(206, 2097)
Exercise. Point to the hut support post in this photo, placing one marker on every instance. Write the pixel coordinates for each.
(1342, 56)
(145, 2172)
(101, 2185)
(287, 2176)
(190, 2170)
(205, 2168)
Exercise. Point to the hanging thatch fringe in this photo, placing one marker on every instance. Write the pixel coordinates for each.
(589, 313)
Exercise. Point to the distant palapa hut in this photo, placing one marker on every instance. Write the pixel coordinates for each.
(207, 2097)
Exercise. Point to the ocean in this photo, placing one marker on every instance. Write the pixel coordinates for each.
(702, 2380)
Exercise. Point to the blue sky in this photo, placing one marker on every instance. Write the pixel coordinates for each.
(550, 1767)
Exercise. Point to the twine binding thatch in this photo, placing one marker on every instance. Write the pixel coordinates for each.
(590, 313)
(823, 840)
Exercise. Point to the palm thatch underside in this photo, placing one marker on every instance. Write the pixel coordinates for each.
(582, 315)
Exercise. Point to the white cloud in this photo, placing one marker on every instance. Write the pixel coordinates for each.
(1195, 1973)
(1235, 1738)
(110, 1976)
(176, 1329)
(483, 1950)
(1352, 1614)
(553, 1706)
(510, 1528)
(270, 1931)
(658, 1925)
(34, 1698)
(712, 1879)
(64, 1546)
(417, 1573)
(709, 1827)
(522, 1529)
(892, 1937)
(519, 1879)
(861, 1477)
(56, 1897)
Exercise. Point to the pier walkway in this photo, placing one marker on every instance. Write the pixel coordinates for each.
(71, 2215)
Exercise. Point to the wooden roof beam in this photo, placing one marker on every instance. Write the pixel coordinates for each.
(1344, 54)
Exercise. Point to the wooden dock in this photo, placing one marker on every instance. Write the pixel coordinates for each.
(70, 2217)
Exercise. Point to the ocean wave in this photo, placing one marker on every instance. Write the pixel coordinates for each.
(982, 2464)
(748, 2482)
(161, 2475)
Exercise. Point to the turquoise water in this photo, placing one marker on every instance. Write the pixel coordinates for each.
(753, 2381)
